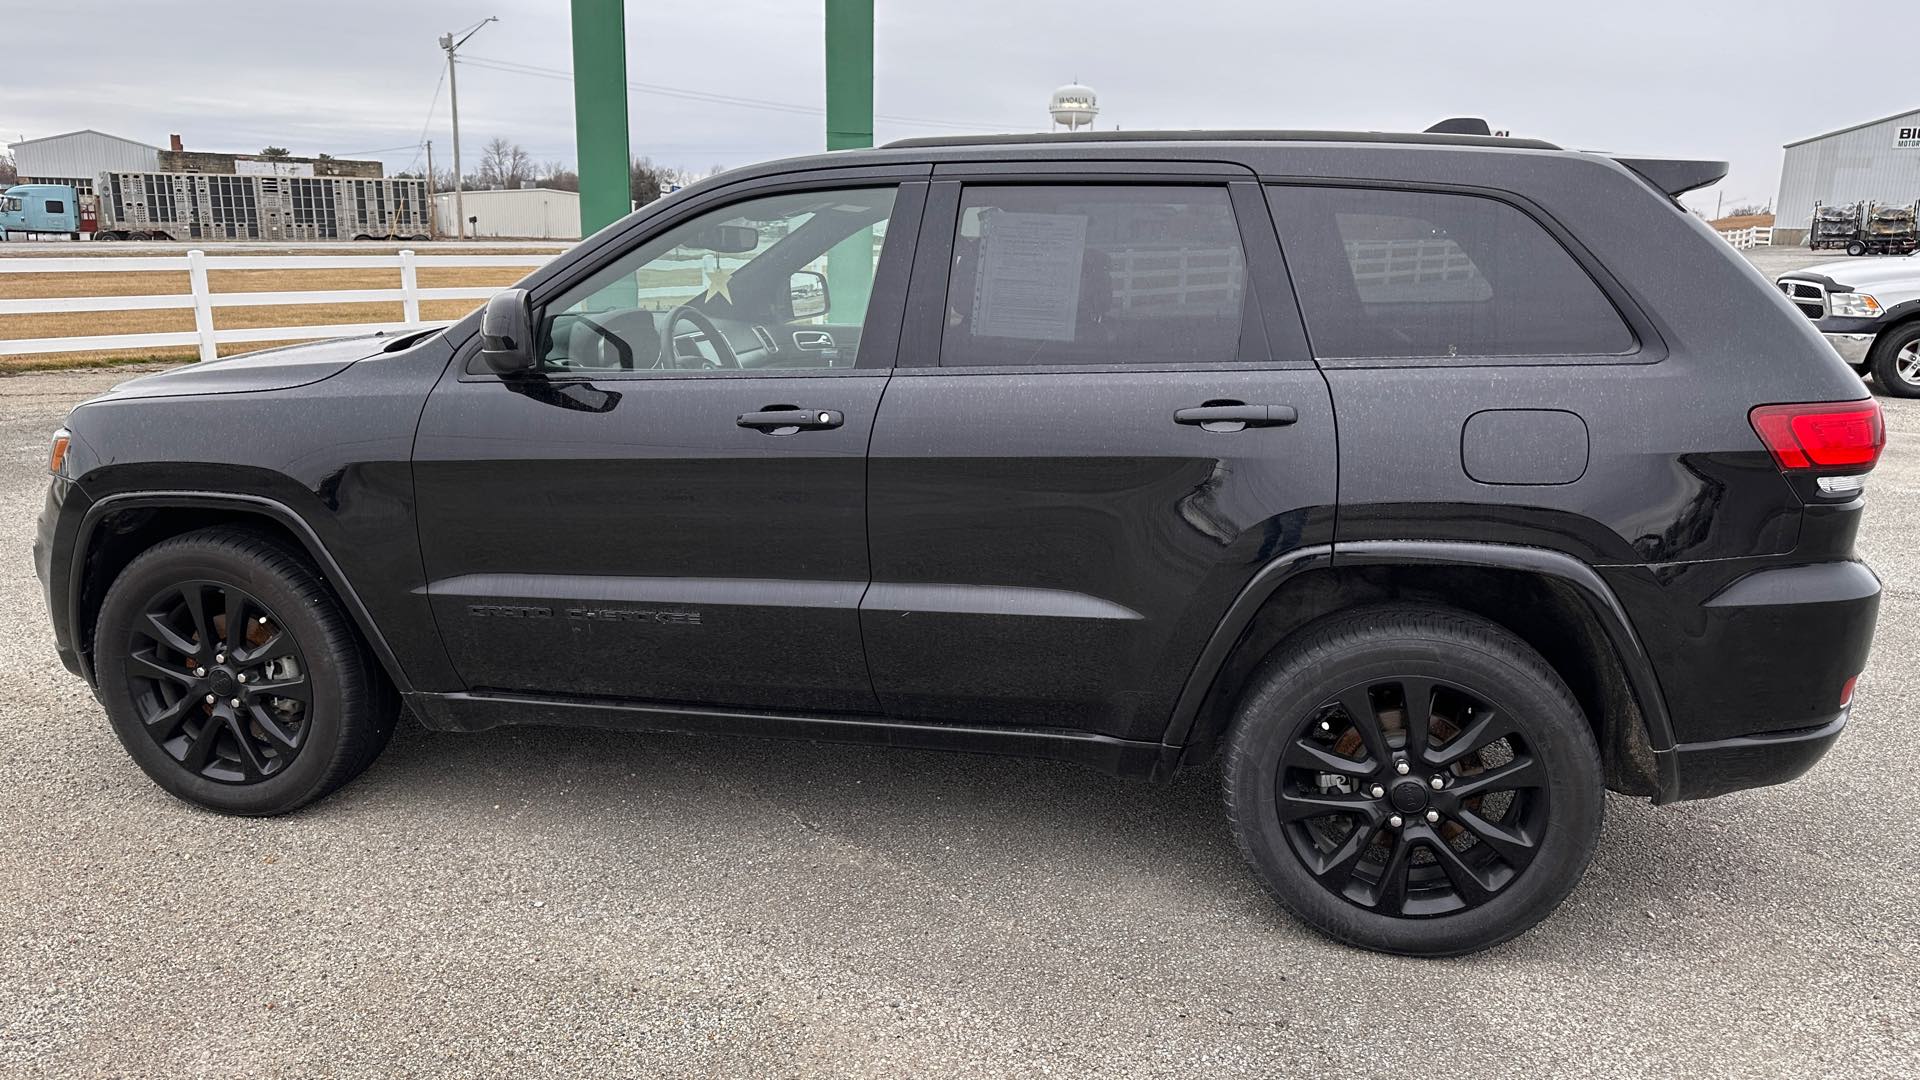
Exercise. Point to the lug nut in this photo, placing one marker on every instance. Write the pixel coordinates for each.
(1377, 791)
(1436, 783)
(1433, 816)
(1395, 821)
(235, 702)
(262, 620)
(219, 658)
(1403, 768)
(241, 678)
(199, 673)
(210, 699)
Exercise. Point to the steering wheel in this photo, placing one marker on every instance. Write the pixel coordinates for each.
(723, 354)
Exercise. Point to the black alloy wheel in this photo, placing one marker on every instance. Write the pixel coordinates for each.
(220, 684)
(233, 676)
(1413, 779)
(1412, 797)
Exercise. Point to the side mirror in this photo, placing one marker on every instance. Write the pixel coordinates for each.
(807, 294)
(506, 333)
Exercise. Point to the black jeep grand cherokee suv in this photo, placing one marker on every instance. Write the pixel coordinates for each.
(1433, 484)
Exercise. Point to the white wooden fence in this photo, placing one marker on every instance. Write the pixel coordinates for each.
(202, 299)
(1752, 237)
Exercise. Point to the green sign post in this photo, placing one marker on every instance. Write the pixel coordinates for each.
(600, 111)
(849, 127)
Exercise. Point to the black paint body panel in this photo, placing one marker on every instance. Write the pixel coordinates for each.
(1033, 561)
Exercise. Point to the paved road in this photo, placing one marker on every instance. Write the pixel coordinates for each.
(557, 903)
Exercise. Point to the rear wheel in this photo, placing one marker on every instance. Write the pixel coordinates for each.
(1413, 780)
(1856, 247)
(234, 679)
(1895, 361)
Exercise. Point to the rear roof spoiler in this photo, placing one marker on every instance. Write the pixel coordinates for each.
(1676, 176)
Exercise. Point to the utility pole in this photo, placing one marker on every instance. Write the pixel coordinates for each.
(433, 208)
(453, 94)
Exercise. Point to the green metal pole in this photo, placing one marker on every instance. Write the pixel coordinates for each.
(849, 74)
(600, 111)
(849, 127)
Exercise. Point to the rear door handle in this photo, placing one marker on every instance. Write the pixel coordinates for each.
(787, 419)
(1233, 416)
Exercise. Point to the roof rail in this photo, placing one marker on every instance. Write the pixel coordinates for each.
(1425, 138)
(1461, 125)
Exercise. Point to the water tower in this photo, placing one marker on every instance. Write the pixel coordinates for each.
(1074, 105)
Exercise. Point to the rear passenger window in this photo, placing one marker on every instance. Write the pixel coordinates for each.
(1421, 274)
(1095, 275)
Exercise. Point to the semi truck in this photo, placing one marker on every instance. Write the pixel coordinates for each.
(220, 206)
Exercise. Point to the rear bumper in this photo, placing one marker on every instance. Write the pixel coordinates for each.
(1704, 769)
(1752, 664)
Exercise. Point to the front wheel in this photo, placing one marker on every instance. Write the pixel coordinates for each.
(234, 679)
(1413, 780)
(1895, 361)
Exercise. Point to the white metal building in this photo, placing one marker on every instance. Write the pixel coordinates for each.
(1878, 161)
(519, 214)
(77, 157)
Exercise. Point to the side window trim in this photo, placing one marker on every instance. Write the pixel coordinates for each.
(1649, 346)
(1271, 332)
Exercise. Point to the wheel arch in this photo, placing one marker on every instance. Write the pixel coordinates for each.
(117, 528)
(1555, 602)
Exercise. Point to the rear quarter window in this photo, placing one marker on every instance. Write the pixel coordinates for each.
(1382, 273)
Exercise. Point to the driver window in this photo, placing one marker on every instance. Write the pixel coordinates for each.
(774, 283)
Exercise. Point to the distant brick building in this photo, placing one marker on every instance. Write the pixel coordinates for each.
(180, 159)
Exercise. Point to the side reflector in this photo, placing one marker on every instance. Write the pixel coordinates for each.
(1822, 435)
(57, 456)
(1846, 692)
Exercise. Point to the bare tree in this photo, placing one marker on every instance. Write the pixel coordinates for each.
(503, 164)
(646, 181)
(274, 153)
(8, 174)
(556, 175)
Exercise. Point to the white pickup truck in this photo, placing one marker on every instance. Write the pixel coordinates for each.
(1870, 311)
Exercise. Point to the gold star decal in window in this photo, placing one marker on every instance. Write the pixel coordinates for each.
(717, 285)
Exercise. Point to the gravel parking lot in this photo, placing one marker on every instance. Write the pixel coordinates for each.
(541, 902)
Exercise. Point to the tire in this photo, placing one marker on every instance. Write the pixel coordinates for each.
(1895, 361)
(1513, 860)
(274, 752)
(1856, 248)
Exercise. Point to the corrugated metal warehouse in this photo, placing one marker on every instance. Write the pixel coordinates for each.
(78, 157)
(1878, 161)
(517, 213)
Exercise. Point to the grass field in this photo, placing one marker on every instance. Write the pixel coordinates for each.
(63, 324)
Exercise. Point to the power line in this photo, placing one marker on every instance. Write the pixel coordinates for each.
(709, 97)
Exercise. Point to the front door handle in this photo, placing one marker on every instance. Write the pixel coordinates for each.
(1235, 416)
(787, 419)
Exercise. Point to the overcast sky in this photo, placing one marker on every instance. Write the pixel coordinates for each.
(1711, 78)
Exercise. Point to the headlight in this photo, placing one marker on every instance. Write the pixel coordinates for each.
(57, 456)
(1856, 305)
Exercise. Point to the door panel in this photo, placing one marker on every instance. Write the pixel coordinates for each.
(1051, 544)
(628, 539)
(1053, 549)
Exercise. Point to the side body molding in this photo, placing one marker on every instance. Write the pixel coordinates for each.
(257, 504)
(1603, 604)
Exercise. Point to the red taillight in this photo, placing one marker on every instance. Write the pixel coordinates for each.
(1823, 435)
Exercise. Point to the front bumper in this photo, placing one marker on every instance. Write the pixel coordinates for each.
(1853, 348)
(53, 546)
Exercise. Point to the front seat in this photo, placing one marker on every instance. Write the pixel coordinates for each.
(623, 340)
